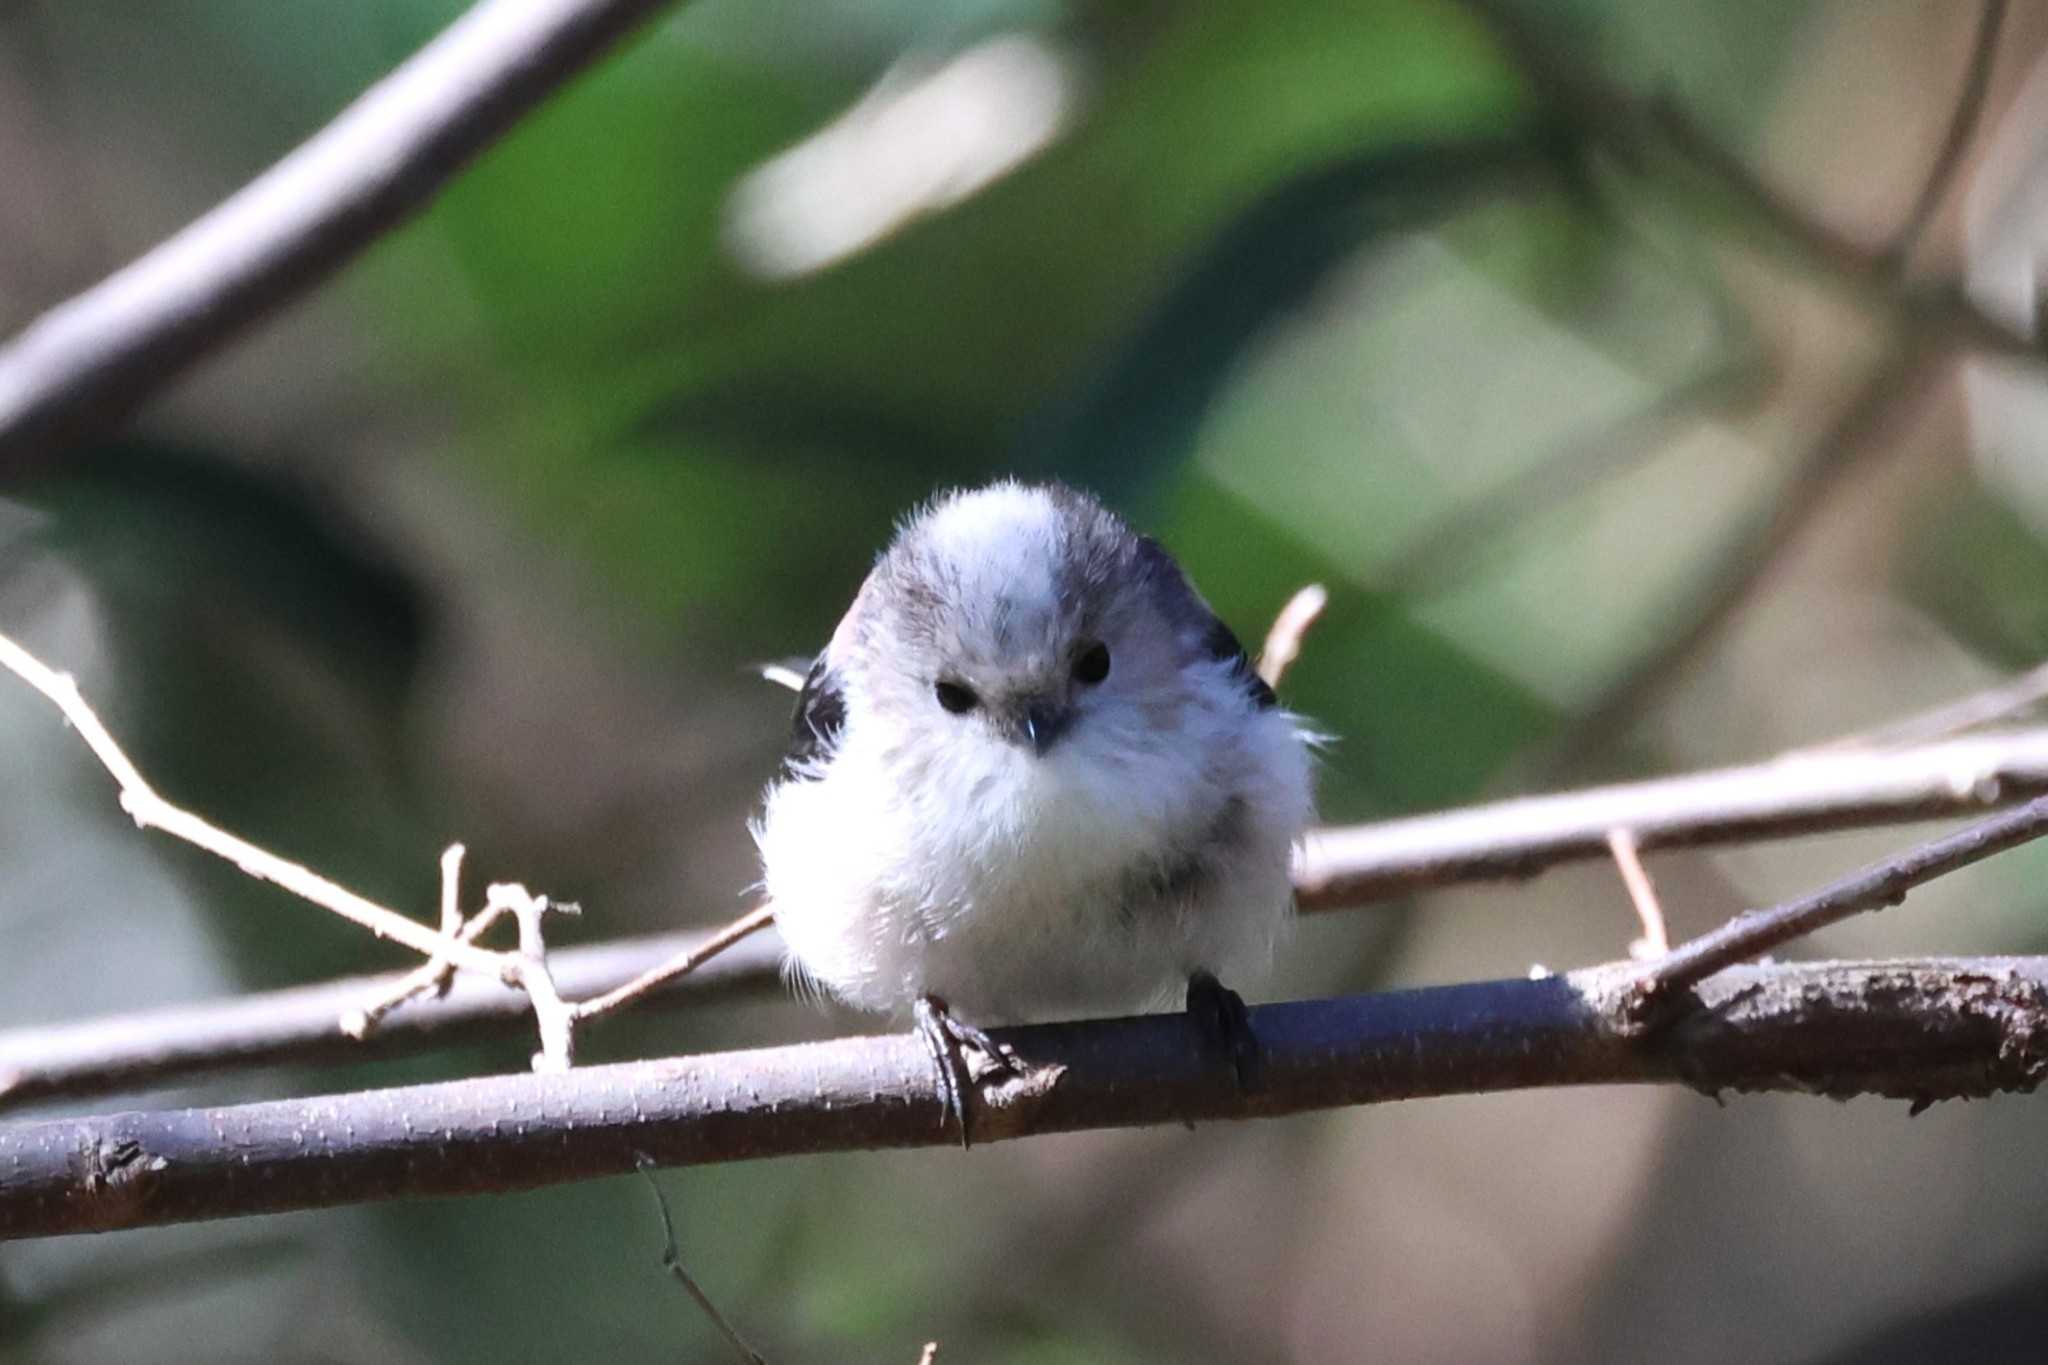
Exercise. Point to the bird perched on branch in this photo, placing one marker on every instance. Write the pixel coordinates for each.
(1033, 775)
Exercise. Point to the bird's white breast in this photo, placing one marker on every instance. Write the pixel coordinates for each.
(1004, 882)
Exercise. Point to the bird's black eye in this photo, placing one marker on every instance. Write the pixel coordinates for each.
(1092, 665)
(955, 698)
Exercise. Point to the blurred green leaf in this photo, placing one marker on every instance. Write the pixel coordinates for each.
(1978, 568)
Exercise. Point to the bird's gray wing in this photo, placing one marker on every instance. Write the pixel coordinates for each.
(814, 729)
(1222, 643)
(1184, 606)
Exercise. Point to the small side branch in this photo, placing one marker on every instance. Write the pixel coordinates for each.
(1921, 1031)
(1642, 894)
(677, 965)
(438, 973)
(1290, 628)
(1874, 888)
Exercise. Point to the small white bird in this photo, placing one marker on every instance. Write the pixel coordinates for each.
(1033, 776)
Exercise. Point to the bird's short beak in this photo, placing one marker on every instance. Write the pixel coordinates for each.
(1040, 723)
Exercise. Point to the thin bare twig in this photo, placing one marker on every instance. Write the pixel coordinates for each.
(1283, 641)
(1801, 793)
(88, 362)
(2001, 702)
(1656, 940)
(453, 946)
(1874, 888)
(682, 963)
(1962, 126)
(672, 1261)
(151, 811)
(782, 674)
(1914, 1030)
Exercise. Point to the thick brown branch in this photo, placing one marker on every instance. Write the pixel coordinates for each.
(1916, 1030)
(1340, 867)
(89, 361)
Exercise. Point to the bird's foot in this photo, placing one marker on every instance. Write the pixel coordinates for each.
(946, 1041)
(1219, 1015)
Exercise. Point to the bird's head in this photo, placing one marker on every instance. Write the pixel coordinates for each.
(1026, 617)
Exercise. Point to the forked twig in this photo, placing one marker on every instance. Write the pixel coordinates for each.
(438, 971)
(452, 946)
(555, 1016)
(1874, 888)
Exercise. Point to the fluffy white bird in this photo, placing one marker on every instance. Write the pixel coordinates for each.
(1033, 775)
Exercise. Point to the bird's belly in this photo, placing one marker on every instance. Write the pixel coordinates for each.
(1016, 911)
(1034, 958)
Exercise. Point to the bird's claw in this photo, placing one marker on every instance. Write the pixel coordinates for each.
(945, 1041)
(1219, 1015)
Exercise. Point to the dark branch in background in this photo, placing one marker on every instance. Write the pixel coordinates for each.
(1895, 384)
(1805, 793)
(1914, 1030)
(87, 363)
(1962, 126)
(1643, 129)
(1925, 325)
(2002, 701)
(1144, 403)
(1435, 560)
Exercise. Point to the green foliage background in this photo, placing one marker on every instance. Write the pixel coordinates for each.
(479, 542)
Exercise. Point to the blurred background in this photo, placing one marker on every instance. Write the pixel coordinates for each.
(1609, 361)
